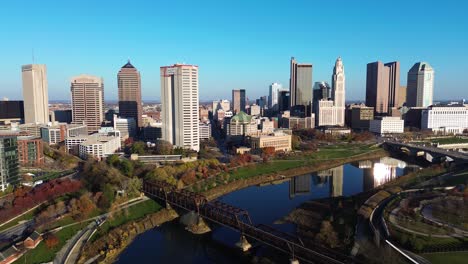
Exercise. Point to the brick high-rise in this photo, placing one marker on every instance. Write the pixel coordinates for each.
(88, 101)
(382, 86)
(129, 83)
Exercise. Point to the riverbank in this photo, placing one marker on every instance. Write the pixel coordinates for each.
(109, 252)
(236, 185)
(106, 249)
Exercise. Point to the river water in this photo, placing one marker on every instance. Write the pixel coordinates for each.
(171, 243)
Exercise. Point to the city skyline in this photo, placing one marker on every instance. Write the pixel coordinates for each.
(209, 50)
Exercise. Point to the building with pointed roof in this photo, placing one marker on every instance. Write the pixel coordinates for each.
(129, 83)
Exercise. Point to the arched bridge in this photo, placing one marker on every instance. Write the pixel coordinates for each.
(239, 220)
(436, 153)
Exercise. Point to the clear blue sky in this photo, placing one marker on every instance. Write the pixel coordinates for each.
(236, 43)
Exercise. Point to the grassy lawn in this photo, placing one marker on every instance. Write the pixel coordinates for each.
(423, 227)
(427, 242)
(42, 254)
(53, 175)
(459, 178)
(265, 168)
(24, 217)
(449, 257)
(451, 140)
(129, 214)
(339, 151)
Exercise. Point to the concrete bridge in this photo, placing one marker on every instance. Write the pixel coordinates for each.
(429, 152)
(239, 220)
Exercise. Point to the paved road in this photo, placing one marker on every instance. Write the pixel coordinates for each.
(16, 231)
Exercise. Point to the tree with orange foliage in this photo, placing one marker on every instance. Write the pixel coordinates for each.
(268, 153)
(51, 240)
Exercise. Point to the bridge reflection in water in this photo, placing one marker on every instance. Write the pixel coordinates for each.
(239, 220)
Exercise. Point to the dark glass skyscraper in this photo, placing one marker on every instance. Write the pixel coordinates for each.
(300, 87)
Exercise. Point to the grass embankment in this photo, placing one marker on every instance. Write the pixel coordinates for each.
(414, 178)
(43, 254)
(457, 178)
(328, 153)
(450, 140)
(52, 175)
(298, 164)
(132, 213)
(447, 257)
(419, 243)
(109, 247)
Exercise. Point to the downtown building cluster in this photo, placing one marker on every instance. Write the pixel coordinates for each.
(88, 130)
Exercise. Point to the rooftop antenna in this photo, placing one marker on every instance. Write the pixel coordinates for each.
(33, 55)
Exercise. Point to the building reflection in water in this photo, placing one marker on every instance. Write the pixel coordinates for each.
(378, 172)
(299, 185)
(334, 177)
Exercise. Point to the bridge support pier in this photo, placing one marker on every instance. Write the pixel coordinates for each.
(294, 261)
(243, 244)
(195, 223)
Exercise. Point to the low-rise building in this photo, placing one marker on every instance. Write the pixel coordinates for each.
(55, 133)
(445, 119)
(241, 125)
(30, 151)
(255, 110)
(387, 125)
(328, 114)
(337, 131)
(152, 132)
(298, 122)
(279, 140)
(126, 126)
(204, 130)
(99, 146)
(358, 117)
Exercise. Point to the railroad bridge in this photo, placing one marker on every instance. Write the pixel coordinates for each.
(431, 154)
(239, 220)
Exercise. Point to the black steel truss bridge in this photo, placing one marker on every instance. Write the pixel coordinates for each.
(239, 220)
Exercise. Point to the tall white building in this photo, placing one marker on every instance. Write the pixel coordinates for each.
(449, 119)
(338, 91)
(179, 95)
(35, 93)
(275, 88)
(420, 88)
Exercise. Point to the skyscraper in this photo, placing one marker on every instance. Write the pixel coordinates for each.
(382, 86)
(129, 83)
(393, 84)
(338, 91)
(273, 96)
(300, 87)
(238, 100)
(35, 93)
(179, 97)
(87, 101)
(420, 85)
